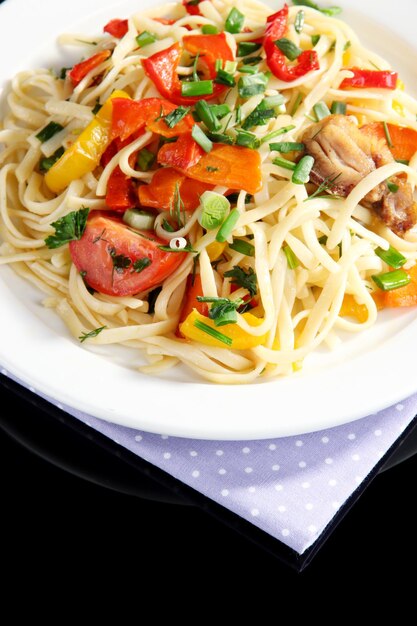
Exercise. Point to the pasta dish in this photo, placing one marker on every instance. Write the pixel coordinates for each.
(214, 184)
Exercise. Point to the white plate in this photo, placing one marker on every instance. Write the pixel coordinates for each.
(370, 372)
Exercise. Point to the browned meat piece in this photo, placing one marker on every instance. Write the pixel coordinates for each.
(343, 156)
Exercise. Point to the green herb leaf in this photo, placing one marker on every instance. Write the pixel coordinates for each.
(206, 114)
(224, 78)
(209, 29)
(387, 135)
(120, 261)
(141, 264)
(243, 247)
(259, 117)
(68, 228)
(247, 139)
(91, 334)
(48, 131)
(213, 332)
(287, 146)
(241, 278)
(173, 118)
(313, 5)
(220, 138)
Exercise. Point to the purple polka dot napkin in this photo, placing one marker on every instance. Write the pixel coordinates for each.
(290, 487)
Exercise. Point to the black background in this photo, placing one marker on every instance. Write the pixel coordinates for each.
(63, 534)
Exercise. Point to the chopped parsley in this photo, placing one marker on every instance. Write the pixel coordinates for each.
(241, 278)
(141, 264)
(69, 228)
(91, 334)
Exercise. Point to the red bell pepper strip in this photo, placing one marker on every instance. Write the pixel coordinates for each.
(130, 116)
(116, 28)
(191, 6)
(232, 166)
(276, 60)
(120, 193)
(161, 67)
(80, 70)
(164, 20)
(363, 79)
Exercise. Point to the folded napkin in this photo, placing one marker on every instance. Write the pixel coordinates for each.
(291, 487)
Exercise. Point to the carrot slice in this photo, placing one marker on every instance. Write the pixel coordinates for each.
(161, 191)
(404, 140)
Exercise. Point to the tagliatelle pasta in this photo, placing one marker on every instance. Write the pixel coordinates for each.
(165, 193)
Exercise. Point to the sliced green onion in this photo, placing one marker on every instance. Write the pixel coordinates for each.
(252, 60)
(288, 165)
(288, 48)
(215, 208)
(201, 138)
(49, 131)
(197, 88)
(299, 21)
(228, 225)
(196, 77)
(391, 257)
(252, 85)
(173, 118)
(247, 139)
(220, 110)
(145, 38)
(145, 159)
(392, 187)
(330, 11)
(247, 47)
(218, 65)
(209, 29)
(224, 78)
(234, 21)
(296, 104)
(221, 138)
(315, 40)
(248, 69)
(238, 114)
(347, 46)
(287, 146)
(140, 220)
(167, 226)
(243, 247)
(258, 117)
(276, 133)
(391, 280)
(403, 161)
(313, 5)
(230, 66)
(213, 332)
(338, 108)
(46, 163)
(321, 110)
(302, 170)
(206, 115)
(272, 102)
(387, 135)
(292, 260)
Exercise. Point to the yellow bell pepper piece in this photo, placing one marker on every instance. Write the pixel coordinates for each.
(85, 153)
(241, 340)
(350, 308)
(398, 108)
(215, 250)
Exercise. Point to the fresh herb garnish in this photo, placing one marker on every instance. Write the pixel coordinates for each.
(287, 146)
(321, 110)
(91, 334)
(302, 171)
(292, 260)
(177, 208)
(214, 209)
(48, 131)
(213, 332)
(173, 118)
(197, 88)
(208, 29)
(326, 185)
(252, 84)
(46, 163)
(338, 108)
(387, 135)
(259, 117)
(223, 310)
(392, 280)
(201, 138)
(243, 247)
(120, 261)
(391, 257)
(145, 38)
(145, 159)
(141, 264)
(313, 5)
(393, 188)
(241, 278)
(315, 40)
(224, 78)
(207, 115)
(296, 104)
(68, 228)
(234, 21)
(247, 47)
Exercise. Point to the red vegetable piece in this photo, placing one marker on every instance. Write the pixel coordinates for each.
(116, 28)
(121, 192)
(80, 70)
(363, 79)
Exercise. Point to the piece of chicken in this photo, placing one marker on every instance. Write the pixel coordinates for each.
(343, 156)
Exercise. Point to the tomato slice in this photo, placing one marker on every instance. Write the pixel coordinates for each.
(110, 253)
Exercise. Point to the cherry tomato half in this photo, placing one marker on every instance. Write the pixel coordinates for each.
(120, 262)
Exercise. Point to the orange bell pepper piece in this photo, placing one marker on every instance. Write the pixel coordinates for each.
(160, 193)
(404, 140)
(80, 70)
(235, 167)
(403, 296)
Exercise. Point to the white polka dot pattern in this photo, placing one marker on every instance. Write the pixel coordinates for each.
(292, 487)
